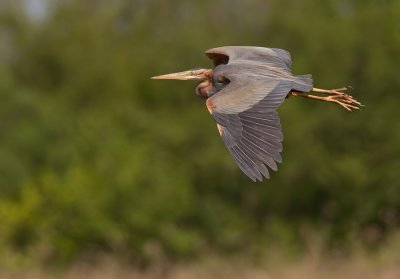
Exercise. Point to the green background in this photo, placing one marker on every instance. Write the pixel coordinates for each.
(97, 158)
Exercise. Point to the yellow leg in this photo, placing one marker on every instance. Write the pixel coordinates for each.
(338, 91)
(335, 96)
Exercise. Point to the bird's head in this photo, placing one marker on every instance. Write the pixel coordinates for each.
(193, 74)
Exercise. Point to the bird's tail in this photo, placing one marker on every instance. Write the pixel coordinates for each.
(303, 83)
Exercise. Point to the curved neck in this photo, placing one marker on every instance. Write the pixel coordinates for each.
(203, 89)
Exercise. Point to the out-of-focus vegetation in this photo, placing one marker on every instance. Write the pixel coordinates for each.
(97, 158)
(311, 266)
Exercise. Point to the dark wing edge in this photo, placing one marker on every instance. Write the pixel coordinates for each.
(218, 56)
(254, 137)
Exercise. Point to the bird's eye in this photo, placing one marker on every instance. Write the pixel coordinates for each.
(221, 79)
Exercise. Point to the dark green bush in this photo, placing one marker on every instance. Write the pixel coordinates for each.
(96, 157)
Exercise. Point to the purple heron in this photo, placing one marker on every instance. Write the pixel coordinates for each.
(242, 93)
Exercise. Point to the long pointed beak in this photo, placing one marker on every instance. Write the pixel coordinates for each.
(185, 75)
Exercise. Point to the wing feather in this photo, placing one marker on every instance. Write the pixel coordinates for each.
(254, 149)
(253, 137)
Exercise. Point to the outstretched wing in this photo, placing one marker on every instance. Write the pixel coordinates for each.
(245, 109)
(253, 136)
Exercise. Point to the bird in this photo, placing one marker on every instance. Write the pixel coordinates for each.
(242, 93)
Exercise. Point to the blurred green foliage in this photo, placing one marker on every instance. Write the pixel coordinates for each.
(96, 157)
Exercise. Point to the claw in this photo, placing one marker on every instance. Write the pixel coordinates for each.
(339, 97)
(345, 101)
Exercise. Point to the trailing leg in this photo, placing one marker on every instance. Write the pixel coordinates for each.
(334, 96)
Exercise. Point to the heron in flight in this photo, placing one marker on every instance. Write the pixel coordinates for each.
(242, 94)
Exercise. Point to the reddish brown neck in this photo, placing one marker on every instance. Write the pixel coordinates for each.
(205, 86)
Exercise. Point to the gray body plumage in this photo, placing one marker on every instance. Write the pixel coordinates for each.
(259, 79)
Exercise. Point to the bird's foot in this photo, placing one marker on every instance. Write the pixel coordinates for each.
(334, 96)
(345, 101)
(339, 97)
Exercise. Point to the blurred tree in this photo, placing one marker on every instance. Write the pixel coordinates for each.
(94, 156)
